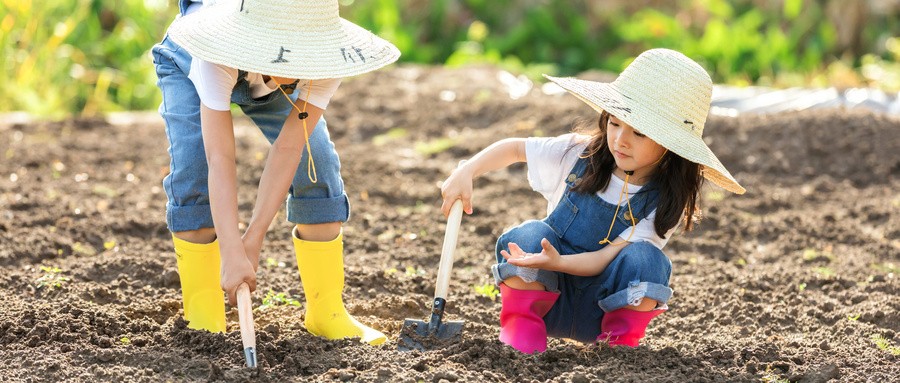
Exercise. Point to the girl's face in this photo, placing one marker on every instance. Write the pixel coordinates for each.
(632, 150)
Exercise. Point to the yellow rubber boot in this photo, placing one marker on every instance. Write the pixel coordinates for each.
(201, 290)
(321, 267)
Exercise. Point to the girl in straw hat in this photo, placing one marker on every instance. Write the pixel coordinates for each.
(594, 268)
(280, 61)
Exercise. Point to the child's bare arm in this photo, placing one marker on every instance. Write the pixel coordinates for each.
(281, 164)
(499, 155)
(582, 264)
(218, 140)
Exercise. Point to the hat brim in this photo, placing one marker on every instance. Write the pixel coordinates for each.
(215, 34)
(670, 134)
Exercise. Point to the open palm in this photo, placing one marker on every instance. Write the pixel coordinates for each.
(547, 259)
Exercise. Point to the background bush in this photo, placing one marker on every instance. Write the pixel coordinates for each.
(91, 56)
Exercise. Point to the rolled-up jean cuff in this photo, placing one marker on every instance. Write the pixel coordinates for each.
(634, 293)
(308, 211)
(185, 218)
(504, 271)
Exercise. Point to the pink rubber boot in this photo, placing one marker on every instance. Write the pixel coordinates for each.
(521, 318)
(625, 327)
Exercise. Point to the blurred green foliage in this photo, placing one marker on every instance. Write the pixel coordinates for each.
(81, 56)
(92, 56)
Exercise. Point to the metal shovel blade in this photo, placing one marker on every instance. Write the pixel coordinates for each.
(421, 335)
(415, 335)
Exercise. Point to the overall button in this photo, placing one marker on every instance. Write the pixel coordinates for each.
(627, 216)
(571, 178)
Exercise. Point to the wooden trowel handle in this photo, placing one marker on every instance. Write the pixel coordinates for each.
(450, 237)
(245, 318)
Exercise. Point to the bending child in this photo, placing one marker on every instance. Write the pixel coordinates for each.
(593, 269)
(280, 61)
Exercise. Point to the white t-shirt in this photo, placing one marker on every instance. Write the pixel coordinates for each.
(550, 161)
(214, 82)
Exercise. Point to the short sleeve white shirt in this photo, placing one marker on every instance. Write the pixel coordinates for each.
(549, 162)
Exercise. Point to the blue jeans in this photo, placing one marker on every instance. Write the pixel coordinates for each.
(577, 225)
(186, 184)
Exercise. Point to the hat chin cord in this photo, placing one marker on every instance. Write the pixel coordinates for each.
(628, 174)
(302, 115)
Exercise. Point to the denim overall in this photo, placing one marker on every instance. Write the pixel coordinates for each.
(577, 225)
(186, 184)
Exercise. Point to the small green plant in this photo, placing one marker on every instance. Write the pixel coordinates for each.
(273, 299)
(811, 255)
(801, 286)
(86, 250)
(825, 272)
(853, 317)
(884, 344)
(51, 279)
(887, 267)
(412, 271)
(487, 290)
(391, 135)
(272, 262)
(435, 146)
(125, 340)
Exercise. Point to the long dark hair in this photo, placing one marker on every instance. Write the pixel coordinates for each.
(678, 180)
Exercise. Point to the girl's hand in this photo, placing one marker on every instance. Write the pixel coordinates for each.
(457, 186)
(236, 269)
(547, 259)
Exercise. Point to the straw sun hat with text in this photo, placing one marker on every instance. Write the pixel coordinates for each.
(302, 39)
(666, 96)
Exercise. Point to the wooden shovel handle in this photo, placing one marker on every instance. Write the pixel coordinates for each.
(245, 316)
(450, 237)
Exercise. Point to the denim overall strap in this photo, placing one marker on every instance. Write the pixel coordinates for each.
(582, 220)
(183, 6)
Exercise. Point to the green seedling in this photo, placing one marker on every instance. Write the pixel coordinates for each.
(272, 262)
(51, 278)
(487, 290)
(413, 271)
(125, 340)
(801, 286)
(104, 191)
(884, 344)
(824, 271)
(810, 255)
(391, 135)
(853, 317)
(280, 299)
(80, 248)
(435, 146)
(886, 267)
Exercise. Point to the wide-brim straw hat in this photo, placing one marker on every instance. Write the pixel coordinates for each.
(666, 96)
(301, 39)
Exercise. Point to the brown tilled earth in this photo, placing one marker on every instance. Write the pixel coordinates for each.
(798, 280)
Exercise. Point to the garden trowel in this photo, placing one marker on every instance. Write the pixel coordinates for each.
(419, 334)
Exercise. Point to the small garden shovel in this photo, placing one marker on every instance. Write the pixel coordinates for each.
(245, 318)
(418, 334)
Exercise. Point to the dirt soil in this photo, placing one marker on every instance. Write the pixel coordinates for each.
(798, 280)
